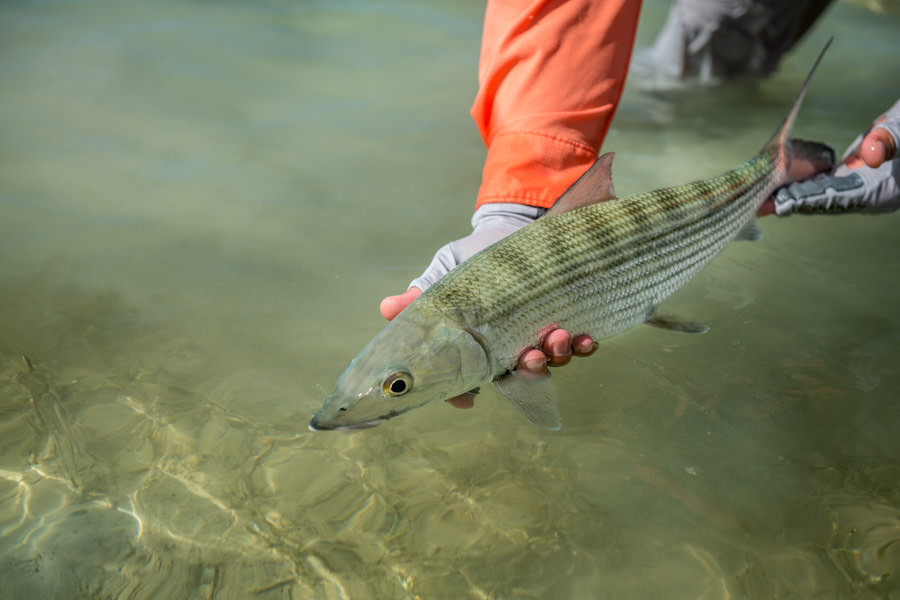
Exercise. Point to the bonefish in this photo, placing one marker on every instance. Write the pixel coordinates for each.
(593, 264)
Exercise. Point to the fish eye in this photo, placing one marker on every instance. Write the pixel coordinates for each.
(397, 384)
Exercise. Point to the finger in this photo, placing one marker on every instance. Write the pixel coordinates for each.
(393, 305)
(533, 361)
(462, 401)
(583, 345)
(808, 162)
(558, 347)
(877, 147)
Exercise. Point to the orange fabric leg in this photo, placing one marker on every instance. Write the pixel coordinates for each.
(550, 76)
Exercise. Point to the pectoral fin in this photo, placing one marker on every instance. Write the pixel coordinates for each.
(534, 395)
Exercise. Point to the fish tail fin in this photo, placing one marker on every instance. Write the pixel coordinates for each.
(786, 150)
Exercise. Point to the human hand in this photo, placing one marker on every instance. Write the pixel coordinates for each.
(491, 223)
(866, 181)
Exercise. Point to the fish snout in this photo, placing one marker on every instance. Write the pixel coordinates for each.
(314, 424)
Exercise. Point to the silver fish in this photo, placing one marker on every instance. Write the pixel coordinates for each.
(593, 264)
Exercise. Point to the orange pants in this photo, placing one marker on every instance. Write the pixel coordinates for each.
(550, 76)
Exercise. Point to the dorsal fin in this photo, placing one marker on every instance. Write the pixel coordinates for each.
(594, 186)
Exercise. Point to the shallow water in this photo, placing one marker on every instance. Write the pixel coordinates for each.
(202, 204)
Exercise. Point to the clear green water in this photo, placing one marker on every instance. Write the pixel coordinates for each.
(201, 204)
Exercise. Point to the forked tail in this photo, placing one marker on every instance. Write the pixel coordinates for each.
(783, 148)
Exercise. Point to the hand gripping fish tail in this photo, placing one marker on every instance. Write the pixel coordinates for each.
(800, 158)
(594, 265)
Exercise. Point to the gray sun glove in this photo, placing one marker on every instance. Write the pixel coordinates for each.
(490, 223)
(859, 190)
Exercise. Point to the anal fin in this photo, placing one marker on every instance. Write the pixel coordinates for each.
(677, 325)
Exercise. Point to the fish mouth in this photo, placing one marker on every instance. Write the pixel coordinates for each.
(314, 425)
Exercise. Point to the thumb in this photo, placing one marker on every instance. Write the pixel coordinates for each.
(877, 147)
(394, 305)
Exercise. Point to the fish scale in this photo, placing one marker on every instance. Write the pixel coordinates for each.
(618, 261)
(592, 265)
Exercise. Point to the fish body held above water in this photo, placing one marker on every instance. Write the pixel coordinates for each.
(593, 264)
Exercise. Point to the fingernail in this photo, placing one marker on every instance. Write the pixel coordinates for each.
(535, 364)
(878, 146)
(874, 152)
(560, 348)
(588, 349)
